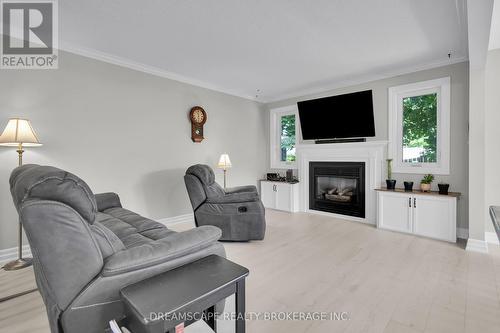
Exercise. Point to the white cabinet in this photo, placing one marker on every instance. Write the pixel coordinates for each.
(284, 197)
(267, 194)
(394, 212)
(280, 195)
(435, 217)
(425, 214)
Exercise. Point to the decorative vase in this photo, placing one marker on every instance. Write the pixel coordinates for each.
(391, 184)
(425, 187)
(443, 188)
(408, 186)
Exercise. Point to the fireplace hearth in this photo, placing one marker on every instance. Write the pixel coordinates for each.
(337, 187)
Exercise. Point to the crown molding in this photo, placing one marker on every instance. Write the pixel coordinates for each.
(363, 79)
(137, 66)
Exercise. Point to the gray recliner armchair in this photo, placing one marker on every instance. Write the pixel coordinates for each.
(237, 211)
(86, 248)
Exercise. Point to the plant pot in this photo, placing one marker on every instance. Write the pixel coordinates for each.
(391, 184)
(443, 188)
(408, 186)
(425, 187)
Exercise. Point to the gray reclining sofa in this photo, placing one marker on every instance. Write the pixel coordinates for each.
(237, 211)
(86, 247)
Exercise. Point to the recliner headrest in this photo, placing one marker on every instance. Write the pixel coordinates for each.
(33, 181)
(203, 172)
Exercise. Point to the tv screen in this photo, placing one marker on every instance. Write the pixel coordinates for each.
(334, 117)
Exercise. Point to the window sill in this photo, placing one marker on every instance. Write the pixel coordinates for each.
(283, 165)
(421, 169)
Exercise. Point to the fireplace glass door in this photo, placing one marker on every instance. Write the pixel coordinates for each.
(337, 187)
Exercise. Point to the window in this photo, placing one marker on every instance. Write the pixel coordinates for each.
(419, 127)
(287, 138)
(284, 130)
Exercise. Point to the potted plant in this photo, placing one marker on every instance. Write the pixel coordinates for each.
(443, 188)
(425, 183)
(391, 183)
(408, 186)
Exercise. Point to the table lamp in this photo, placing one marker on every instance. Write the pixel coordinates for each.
(224, 164)
(19, 133)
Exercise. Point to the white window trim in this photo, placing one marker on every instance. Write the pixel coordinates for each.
(275, 136)
(396, 94)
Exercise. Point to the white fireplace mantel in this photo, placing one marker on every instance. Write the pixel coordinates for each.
(371, 152)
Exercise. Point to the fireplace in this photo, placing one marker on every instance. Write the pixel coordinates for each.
(337, 187)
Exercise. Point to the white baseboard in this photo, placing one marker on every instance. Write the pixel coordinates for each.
(477, 245)
(186, 218)
(462, 233)
(491, 237)
(10, 254)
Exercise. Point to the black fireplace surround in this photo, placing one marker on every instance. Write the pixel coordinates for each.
(337, 187)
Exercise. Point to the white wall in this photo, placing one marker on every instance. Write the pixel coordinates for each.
(492, 134)
(128, 132)
(476, 155)
(478, 28)
(458, 178)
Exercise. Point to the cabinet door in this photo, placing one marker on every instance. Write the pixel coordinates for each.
(394, 211)
(268, 195)
(294, 200)
(435, 217)
(284, 197)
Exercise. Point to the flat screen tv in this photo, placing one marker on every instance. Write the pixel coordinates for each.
(337, 117)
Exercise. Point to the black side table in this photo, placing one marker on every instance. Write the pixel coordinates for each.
(158, 304)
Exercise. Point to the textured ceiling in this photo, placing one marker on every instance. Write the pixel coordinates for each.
(272, 49)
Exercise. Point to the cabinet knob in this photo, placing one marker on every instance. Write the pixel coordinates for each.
(414, 202)
(409, 202)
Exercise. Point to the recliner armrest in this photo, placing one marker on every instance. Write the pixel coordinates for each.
(241, 189)
(107, 200)
(234, 198)
(173, 246)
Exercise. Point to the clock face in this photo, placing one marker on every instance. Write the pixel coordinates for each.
(198, 116)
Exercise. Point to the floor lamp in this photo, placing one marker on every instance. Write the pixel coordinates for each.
(224, 164)
(19, 133)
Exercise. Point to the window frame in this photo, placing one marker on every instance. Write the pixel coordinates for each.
(275, 136)
(441, 87)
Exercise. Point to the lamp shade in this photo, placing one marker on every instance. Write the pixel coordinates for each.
(224, 162)
(19, 131)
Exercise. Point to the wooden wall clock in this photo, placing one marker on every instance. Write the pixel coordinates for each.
(198, 117)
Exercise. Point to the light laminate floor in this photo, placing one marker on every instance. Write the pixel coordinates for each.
(386, 282)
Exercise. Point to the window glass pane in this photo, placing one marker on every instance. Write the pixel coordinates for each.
(287, 138)
(420, 129)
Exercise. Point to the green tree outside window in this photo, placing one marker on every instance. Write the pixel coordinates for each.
(287, 139)
(420, 129)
